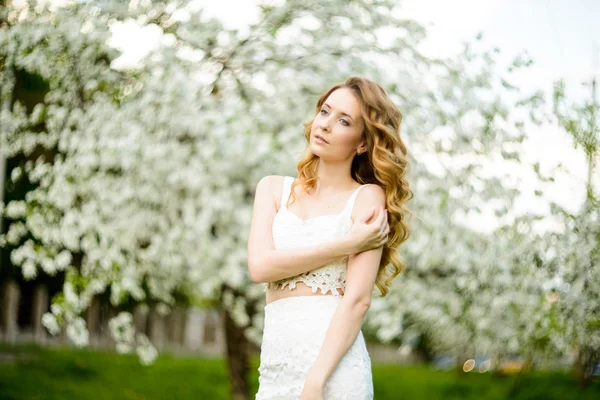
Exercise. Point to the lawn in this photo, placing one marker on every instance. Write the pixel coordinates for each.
(34, 373)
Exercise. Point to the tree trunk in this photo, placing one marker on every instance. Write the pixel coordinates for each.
(157, 331)
(39, 307)
(237, 358)
(584, 363)
(9, 310)
(176, 327)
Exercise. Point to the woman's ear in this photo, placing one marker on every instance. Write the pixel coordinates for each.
(362, 148)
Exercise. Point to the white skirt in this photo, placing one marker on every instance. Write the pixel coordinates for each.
(294, 331)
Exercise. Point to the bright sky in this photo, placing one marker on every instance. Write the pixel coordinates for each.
(559, 36)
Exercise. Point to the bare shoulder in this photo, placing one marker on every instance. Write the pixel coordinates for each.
(371, 195)
(269, 181)
(270, 185)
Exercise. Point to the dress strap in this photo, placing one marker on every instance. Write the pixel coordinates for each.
(286, 190)
(350, 203)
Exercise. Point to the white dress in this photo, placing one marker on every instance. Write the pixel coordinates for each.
(295, 327)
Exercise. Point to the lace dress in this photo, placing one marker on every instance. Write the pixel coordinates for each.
(295, 327)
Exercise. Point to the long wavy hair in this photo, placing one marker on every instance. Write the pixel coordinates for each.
(384, 164)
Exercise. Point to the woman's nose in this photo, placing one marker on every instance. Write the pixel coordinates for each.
(325, 124)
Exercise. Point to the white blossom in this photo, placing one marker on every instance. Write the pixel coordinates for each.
(145, 350)
(49, 321)
(77, 332)
(16, 209)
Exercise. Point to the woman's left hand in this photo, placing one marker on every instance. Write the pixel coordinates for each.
(311, 391)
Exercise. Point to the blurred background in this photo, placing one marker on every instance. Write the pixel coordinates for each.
(132, 137)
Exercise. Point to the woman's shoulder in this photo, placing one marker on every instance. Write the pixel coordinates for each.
(271, 181)
(271, 184)
(370, 195)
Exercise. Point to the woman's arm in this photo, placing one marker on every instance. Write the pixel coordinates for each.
(348, 318)
(266, 264)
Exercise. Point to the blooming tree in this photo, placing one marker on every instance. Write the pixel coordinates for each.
(576, 250)
(148, 191)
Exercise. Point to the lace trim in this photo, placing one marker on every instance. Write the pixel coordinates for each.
(328, 278)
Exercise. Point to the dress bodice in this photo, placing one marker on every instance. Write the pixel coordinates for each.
(291, 231)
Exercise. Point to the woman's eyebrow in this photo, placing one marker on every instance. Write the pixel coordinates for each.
(341, 112)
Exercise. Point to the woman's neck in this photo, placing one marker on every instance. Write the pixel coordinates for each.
(332, 181)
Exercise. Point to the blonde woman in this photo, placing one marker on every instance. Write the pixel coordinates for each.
(322, 241)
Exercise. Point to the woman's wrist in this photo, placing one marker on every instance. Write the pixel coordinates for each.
(315, 379)
(346, 245)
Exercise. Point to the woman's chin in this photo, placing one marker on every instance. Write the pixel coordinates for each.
(316, 150)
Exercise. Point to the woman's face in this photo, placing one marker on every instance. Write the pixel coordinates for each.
(340, 123)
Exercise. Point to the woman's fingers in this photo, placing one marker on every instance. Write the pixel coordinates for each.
(385, 229)
(387, 223)
(368, 216)
(381, 226)
(383, 222)
(380, 217)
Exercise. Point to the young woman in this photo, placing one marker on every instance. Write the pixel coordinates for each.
(321, 242)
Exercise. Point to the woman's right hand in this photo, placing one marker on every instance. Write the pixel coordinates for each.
(365, 235)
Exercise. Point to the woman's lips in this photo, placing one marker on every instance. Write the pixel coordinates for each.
(320, 139)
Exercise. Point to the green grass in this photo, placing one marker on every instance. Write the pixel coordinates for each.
(65, 374)
(422, 382)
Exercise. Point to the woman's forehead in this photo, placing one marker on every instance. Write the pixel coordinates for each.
(344, 101)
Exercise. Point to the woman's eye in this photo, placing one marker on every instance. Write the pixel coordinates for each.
(344, 122)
